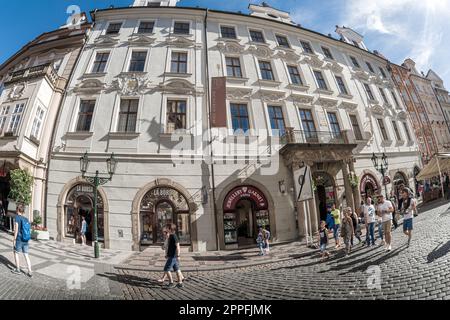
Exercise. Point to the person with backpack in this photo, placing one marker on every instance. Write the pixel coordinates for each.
(22, 235)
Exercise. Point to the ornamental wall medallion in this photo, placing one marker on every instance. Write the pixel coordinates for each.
(90, 86)
(377, 109)
(230, 47)
(178, 86)
(130, 84)
(17, 91)
(261, 51)
(239, 93)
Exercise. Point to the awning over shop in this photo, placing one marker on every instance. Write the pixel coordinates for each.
(438, 164)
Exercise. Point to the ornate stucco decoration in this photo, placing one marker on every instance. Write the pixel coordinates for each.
(239, 93)
(334, 67)
(288, 56)
(302, 98)
(377, 109)
(105, 41)
(179, 42)
(362, 75)
(348, 105)
(326, 102)
(140, 40)
(178, 86)
(313, 61)
(261, 51)
(271, 95)
(377, 80)
(90, 86)
(402, 115)
(230, 47)
(130, 84)
(17, 91)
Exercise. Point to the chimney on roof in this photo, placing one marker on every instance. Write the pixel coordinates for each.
(264, 4)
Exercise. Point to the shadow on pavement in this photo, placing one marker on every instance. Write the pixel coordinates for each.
(132, 280)
(6, 262)
(438, 252)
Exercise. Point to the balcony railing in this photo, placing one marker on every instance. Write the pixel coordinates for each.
(33, 72)
(312, 137)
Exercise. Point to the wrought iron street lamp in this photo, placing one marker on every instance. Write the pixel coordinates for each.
(96, 181)
(381, 167)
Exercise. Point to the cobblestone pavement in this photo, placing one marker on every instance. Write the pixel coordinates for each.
(418, 272)
(421, 271)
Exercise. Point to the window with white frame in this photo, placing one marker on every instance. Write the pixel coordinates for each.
(334, 125)
(320, 80)
(355, 62)
(4, 112)
(383, 95)
(370, 67)
(395, 99)
(355, 126)
(295, 75)
(307, 47)
(382, 72)
(283, 41)
(176, 115)
(397, 133)
(382, 128)
(276, 120)
(181, 27)
(266, 70)
(85, 115)
(179, 62)
(257, 36)
(16, 118)
(239, 118)
(101, 60)
(341, 85)
(137, 62)
(114, 28)
(228, 32)
(146, 27)
(128, 115)
(327, 53)
(233, 67)
(37, 123)
(369, 91)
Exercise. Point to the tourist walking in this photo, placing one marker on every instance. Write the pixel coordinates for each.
(356, 226)
(84, 228)
(336, 214)
(408, 210)
(385, 209)
(22, 236)
(323, 240)
(347, 230)
(394, 202)
(173, 256)
(266, 238)
(165, 248)
(330, 220)
(370, 219)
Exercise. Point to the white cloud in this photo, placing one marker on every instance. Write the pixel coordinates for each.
(418, 29)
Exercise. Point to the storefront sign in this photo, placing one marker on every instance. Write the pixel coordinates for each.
(218, 102)
(245, 192)
(368, 178)
(303, 185)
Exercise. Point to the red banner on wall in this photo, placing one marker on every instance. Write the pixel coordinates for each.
(218, 102)
(245, 192)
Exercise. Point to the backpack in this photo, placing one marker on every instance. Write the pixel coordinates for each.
(25, 229)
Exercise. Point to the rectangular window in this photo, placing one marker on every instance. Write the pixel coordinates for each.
(179, 62)
(181, 28)
(341, 85)
(382, 72)
(383, 95)
(369, 91)
(283, 41)
(356, 128)
(355, 62)
(228, 32)
(276, 120)
(397, 133)
(327, 53)
(266, 70)
(137, 63)
(233, 67)
(3, 116)
(395, 99)
(128, 115)
(85, 115)
(16, 118)
(257, 36)
(307, 47)
(114, 28)
(295, 75)
(176, 115)
(101, 59)
(320, 80)
(37, 123)
(370, 67)
(308, 125)
(405, 126)
(382, 129)
(334, 125)
(146, 27)
(239, 118)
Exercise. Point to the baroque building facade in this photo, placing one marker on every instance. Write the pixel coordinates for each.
(32, 85)
(213, 117)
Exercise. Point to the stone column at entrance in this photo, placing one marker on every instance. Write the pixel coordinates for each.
(347, 185)
(314, 216)
(301, 218)
(356, 193)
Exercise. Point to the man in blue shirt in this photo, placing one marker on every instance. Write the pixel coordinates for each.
(20, 246)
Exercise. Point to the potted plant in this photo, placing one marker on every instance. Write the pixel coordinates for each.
(38, 231)
(20, 189)
(354, 180)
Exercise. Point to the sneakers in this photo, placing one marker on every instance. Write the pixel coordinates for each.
(180, 285)
(16, 271)
(389, 248)
(171, 285)
(30, 274)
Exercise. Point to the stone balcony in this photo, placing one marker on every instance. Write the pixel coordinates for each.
(41, 71)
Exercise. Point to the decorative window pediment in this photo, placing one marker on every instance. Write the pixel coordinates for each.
(261, 51)
(314, 61)
(138, 39)
(178, 86)
(302, 98)
(106, 41)
(362, 75)
(377, 109)
(402, 115)
(179, 42)
(230, 47)
(334, 67)
(271, 95)
(90, 86)
(288, 56)
(239, 93)
(130, 84)
(327, 102)
(17, 91)
(348, 105)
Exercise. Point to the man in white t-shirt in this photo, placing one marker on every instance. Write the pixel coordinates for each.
(369, 218)
(385, 209)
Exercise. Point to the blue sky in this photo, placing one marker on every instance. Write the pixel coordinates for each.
(397, 28)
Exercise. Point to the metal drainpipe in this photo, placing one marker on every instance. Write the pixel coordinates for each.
(208, 103)
(57, 119)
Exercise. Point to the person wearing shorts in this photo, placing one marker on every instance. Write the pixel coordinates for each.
(408, 209)
(385, 209)
(173, 256)
(323, 240)
(19, 245)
